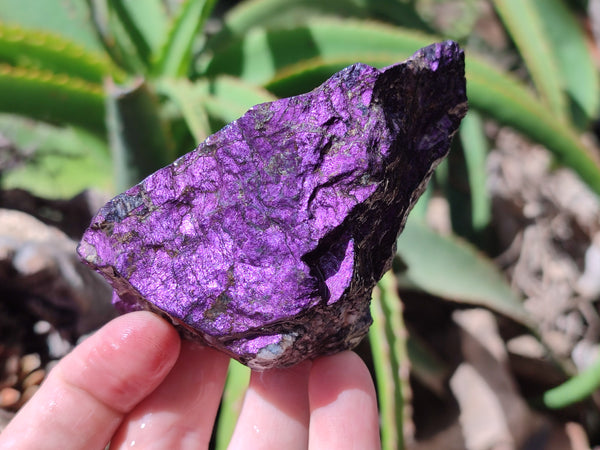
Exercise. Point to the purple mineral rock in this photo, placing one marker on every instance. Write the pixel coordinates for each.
(266, 241)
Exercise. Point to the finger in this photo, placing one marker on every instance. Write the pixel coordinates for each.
(87, 394)
(343, 404)
(275, 410)
(180, 413)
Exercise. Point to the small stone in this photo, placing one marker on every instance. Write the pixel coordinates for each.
(29, 363)
(266, 241)
(42, 327)
(34, 378)
(58, 346)
(9, 397)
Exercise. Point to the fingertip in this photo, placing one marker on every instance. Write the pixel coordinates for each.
(179, 413)
(343, 403)
(125, 360)
(331, 375)
(275, 412)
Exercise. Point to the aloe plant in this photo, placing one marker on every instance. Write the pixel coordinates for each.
(156, 42)
(95, 85)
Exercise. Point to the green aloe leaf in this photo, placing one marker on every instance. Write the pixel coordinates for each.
(306, 75)
(48, 51)
(188, 99)
(145, 22)
(123, 12)
(273, 14)
(50, 97)
(576, 66)
(207, 105)
(286, 13)
(69, 18)
(511, 103)
(289, 62)
(119, 35)
(451, 268)
(231, 97)
(175, 55)
(238, 377)
(106, 27)
(526, 28)
(387, 337)
(59, 161)
(475, 149)
(261, 54)
(138, 137)
(575, 389)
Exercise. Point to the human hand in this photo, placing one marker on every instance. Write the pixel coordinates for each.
(135, 384)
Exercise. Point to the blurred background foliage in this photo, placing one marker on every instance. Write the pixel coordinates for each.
(100, 93)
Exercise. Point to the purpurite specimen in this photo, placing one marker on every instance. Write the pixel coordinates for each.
(266, 241)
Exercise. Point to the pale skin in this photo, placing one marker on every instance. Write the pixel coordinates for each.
(135, 384)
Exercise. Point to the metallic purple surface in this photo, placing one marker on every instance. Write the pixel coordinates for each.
(267, 239)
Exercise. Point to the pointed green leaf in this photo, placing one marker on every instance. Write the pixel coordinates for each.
(59, 162)
(452, 178)
(231, 404)
(113, 37)
(273, 14)
(130, 30)
(68, 18)
(120, 36)
(238, 92)
(284, 61)
(230, 98)
(175, 54)
(526, 29)
(475, 149)
(575, 389)
(188, 99)
(574, 59)
(48, 51)
(489, 91)
(511, 103)
(261, 54)
(207, 102)
(148, 21)
(451, 268)
(306, 75)
(138, 137)
(387, 337)
(54, 98)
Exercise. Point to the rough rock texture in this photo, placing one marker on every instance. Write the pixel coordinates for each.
(266, 240)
